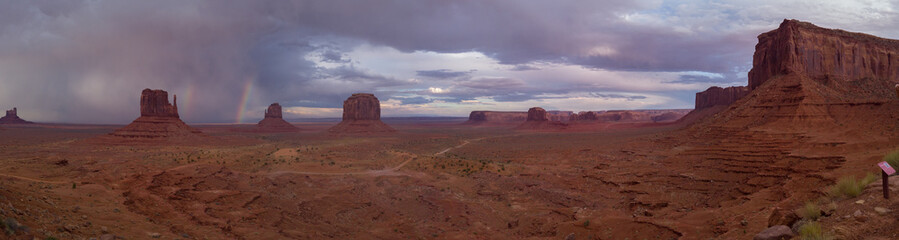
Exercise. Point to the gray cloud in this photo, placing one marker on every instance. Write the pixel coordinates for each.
(444, 73)
(616, 96)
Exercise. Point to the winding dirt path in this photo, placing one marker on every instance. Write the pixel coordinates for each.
(32, 179)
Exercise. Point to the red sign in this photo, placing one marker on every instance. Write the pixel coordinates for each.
(886, 168)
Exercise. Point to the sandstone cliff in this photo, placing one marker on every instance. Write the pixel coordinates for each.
(820, 53)
(719, 96)
(361, 114)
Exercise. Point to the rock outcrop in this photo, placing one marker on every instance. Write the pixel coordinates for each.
(537, 114)
(719, 96)
(273, 121)
(537, 119)
(158, 119)
(482, 117)
(12, 117)
(361, 114)
(498, 117)
(820, 54)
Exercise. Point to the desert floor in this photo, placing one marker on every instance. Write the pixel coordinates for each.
(429, 180)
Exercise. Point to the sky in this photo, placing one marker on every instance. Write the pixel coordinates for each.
(87, 61)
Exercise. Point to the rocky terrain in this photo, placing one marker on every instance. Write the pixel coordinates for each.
(361, 114)
(12, 117)
(158, 119)
(273, 121)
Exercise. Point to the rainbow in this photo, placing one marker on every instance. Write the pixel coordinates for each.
(244, 100)
(187, 99)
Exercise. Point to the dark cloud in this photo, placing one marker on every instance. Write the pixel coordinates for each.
(413, 100)
(524, 67)
(493, 83)
(617, 96)
(444, 73)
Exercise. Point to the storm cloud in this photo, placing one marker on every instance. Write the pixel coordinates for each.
(86, 61)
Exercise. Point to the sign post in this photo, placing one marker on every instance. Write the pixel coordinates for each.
(887, 170)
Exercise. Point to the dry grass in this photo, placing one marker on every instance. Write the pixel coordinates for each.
(810, 211)
(813, 231)
(850, 187)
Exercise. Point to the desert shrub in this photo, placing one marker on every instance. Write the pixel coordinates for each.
(892, 158)
(813, 231)
(10, 226)
(810, 211)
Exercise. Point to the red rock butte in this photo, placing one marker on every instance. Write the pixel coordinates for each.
(12, 117)
(538, 120)
(158, 119)
(821, 54)
(273, 120)
(361, 114)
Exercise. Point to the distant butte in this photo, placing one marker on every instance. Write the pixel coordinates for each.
(274, 122)
(361, 114)
(158, 119)
(719, 96)
(538, 120)
(12, 117)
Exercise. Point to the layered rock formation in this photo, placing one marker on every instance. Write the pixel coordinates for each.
(719, 96)
(583, 116)
(537, 119)
(12, 117)
(819, 77)
(158, 119)
(820, 54)
(361, 114)
(667, 117)
(273, 120)
(479, 117)
(820, 100)
(498, 117)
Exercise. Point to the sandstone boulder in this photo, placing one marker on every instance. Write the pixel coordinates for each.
(779, 232)
(779, 216)
(361, 114)
(158, 119)
(273, 121)
(12, 117)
